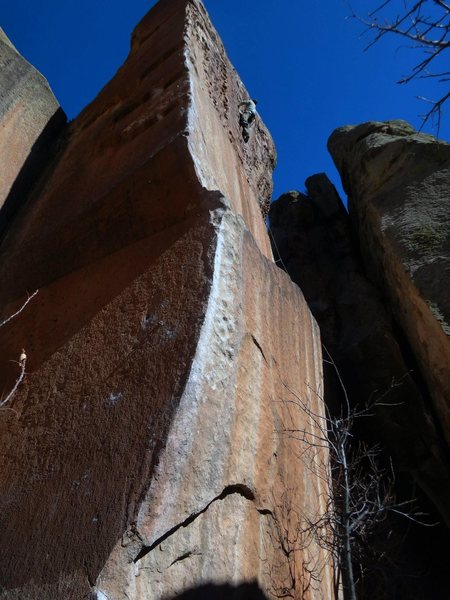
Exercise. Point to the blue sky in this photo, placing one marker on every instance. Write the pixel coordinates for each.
(303, 60)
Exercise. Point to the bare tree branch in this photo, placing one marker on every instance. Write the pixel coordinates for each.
(22, 363)
(11, 317)
(425, 23)
(361, 490)
(23, 357)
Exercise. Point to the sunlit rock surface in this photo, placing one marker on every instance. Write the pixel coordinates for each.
(147, 453)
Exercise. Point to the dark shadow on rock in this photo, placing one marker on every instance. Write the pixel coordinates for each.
(314, 241)
(210, 591)
(42, 152)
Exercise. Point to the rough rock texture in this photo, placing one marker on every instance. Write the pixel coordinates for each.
(30, 118)
(214, 506)
(145, 456)
(313, 236)
(398, 183)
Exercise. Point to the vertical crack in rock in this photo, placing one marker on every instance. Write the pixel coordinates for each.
(257, 344)
(91, 580)
(237, 488)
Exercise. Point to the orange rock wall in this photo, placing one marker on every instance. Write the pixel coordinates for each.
(242, 172)
(146, 453)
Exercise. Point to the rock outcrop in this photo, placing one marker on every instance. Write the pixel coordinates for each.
(377, 282)
(30, 119)
(314, 240)
(398, 183)
(146, 455)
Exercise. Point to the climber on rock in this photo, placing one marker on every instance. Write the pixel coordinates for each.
(247, 116)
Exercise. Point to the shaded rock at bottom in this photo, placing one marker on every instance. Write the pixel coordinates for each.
(314, 242)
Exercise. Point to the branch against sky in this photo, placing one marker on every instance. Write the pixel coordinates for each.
(425, 26)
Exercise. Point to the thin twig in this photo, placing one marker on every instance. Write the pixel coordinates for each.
(29, 299)
(22, 362)
(429, 35)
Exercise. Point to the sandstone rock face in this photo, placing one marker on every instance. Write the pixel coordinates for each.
(218, 495)
(146, 454)
(241, 171)
(30, 118)
(313, 237)
(398, 184)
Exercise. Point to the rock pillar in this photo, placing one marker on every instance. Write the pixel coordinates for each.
(151, 452)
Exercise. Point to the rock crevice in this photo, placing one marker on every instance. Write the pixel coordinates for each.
(240, 489)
